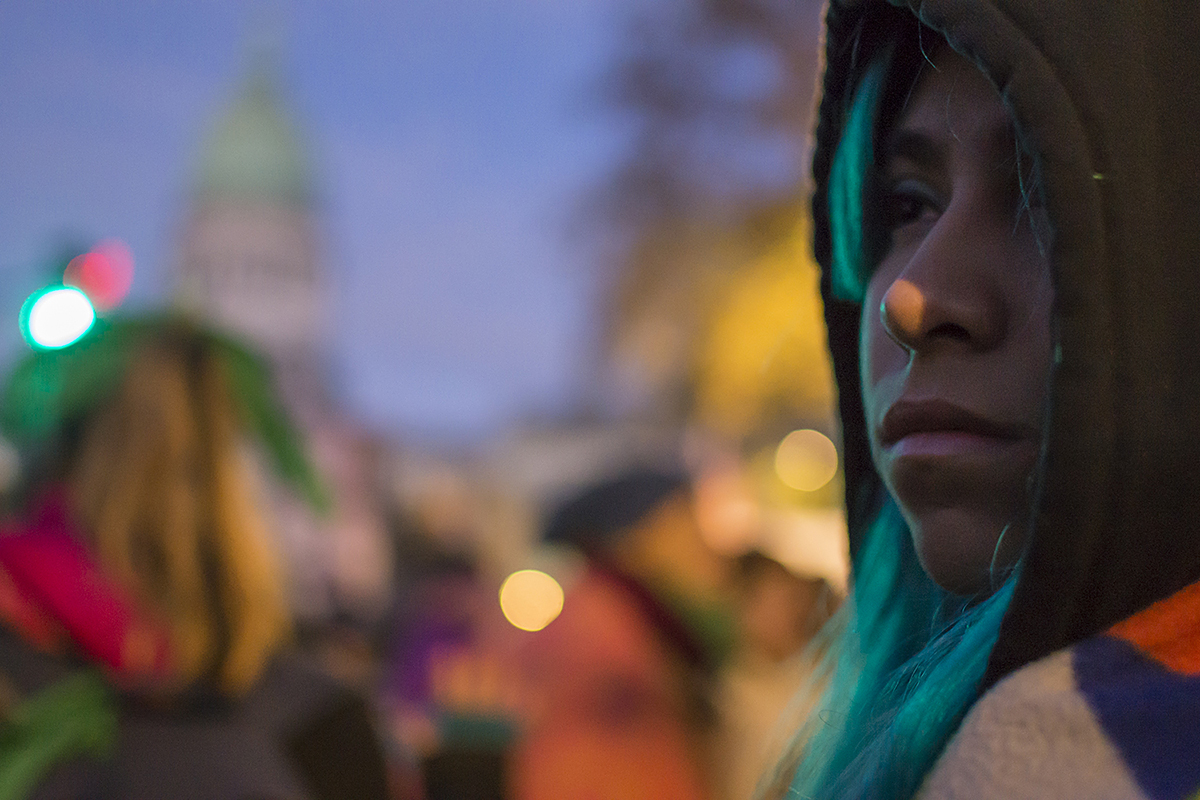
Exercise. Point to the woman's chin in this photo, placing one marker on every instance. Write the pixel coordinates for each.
(965, 552)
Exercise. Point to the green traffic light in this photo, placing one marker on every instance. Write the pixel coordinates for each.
(56, 317)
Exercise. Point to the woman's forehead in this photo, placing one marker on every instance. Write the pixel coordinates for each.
(953, 103)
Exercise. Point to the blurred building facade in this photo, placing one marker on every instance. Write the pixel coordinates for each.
(250, 257)
(251, 261)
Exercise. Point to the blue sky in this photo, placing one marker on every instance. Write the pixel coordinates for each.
(453, 141)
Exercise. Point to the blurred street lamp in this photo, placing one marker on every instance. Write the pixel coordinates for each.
(56, 317)
(806, 460)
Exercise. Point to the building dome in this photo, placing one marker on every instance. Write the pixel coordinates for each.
(255, 152)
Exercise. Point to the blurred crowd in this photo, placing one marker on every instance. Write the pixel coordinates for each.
(672, 671)
(150, 647)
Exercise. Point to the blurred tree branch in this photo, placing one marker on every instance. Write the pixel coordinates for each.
(719, 95)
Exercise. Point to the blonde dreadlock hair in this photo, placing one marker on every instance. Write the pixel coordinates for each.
(162, 483)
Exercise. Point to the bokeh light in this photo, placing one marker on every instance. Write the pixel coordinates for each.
(105, 274)
(531, 599)
(56, 317)
(806, 460)
(727, 510)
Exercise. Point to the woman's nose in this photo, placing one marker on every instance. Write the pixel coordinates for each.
(945, 297)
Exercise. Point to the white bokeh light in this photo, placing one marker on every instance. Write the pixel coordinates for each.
(60, 317)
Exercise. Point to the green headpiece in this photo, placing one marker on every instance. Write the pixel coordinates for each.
(50, 390)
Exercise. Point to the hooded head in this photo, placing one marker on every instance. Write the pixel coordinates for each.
(1103, 113)
(1093, 519)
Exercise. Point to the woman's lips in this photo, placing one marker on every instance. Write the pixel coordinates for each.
(937, 428)
(948, 444)
(935, 454)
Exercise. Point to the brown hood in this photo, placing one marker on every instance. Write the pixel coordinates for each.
(1107, 94)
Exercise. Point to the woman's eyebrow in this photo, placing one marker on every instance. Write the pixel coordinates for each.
(913, 145)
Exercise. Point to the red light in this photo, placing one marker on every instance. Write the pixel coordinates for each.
(105, 274)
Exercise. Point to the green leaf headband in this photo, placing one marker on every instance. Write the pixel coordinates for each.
(50, 389)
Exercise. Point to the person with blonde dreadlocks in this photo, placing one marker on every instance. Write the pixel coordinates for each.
(143, 621)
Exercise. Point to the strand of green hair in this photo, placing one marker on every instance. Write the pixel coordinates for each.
(905, 665)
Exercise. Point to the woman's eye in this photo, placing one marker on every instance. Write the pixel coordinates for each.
(907, 202)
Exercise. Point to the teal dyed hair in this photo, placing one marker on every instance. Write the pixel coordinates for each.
(854, 255)
(905, 664)
(904, 659)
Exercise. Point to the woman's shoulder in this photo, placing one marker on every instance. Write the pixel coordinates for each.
(1114, 716)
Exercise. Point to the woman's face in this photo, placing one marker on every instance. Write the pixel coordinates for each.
(955, 332)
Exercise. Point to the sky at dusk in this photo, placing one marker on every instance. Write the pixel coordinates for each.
(453, 140)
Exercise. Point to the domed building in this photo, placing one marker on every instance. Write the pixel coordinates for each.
(250, 255)
(250, 262)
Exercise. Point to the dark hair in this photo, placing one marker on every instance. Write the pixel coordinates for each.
(594, 519)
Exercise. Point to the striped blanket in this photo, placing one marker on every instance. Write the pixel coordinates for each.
(1115, 717)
